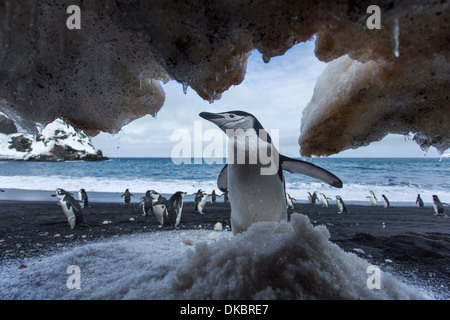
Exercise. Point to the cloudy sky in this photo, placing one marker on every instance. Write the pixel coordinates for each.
(276, 93)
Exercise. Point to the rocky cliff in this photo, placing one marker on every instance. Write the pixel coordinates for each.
(58, 141)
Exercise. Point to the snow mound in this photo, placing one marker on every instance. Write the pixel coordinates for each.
(287, 260)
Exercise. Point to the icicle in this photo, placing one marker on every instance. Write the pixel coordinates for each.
(396, 38)
(185, 86)
(266, 59)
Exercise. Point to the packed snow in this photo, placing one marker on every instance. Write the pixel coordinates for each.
(286, 260)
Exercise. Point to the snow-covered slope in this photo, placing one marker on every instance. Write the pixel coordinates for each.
(58, 141)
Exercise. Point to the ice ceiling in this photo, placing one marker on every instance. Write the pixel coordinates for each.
(108, 73)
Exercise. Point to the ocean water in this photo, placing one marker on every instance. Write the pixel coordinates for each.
(400, 179)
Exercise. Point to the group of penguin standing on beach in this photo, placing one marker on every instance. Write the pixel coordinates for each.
(438, 206)
(168, 212)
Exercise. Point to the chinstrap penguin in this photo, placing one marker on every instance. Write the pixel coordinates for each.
(83, 197)
(324, 200)
(200, 205)
(341, 205)
(289, 201)
(438, 206)
(146, 203)
(70, 207)
(174, 209)
(127, 197)
(312, 198)
(213, 196)
(257, 191)
(419, 201)
(385, 201)
(373, 199)
(225, 196)
(159, 207)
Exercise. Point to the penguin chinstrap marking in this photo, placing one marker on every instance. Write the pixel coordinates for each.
(257, 187)
(70, 207)
(83, 198)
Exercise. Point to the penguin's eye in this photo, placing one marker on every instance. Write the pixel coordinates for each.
(231, 116)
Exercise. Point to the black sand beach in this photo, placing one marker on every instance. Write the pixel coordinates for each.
(409, 241)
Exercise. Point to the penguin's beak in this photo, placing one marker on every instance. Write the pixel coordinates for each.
(53, 195)
(216, 118)
(210, 116)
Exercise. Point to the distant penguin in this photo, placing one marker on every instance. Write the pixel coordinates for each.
(175, 208)
(213, 196)
(257, 191)
(159, 207)
(225, 196)
(341, 205)
(312, 198)
(438, 205)
(83, 197)
(127, 197)
(385, 201)
(1, 190)
(200, 205)
(146, 203)
(373, 199)
(70, 207)
(324, 200)
(289, 203)
(419, 201)
(198, 195)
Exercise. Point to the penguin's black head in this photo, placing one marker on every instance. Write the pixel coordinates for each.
(61, 193)
(232, 120)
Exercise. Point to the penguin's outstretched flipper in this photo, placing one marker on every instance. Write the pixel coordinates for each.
(310, 170)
